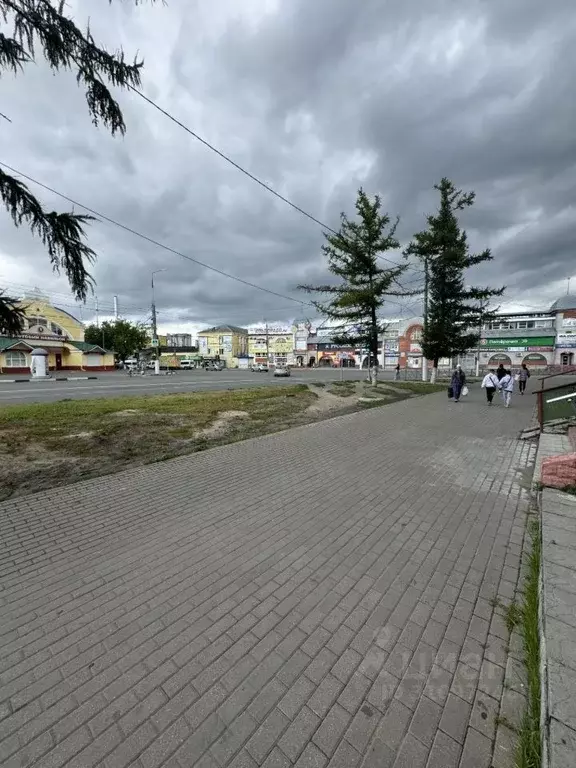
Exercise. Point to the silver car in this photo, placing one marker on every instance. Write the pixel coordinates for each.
(282, 371)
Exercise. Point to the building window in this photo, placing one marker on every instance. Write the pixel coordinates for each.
(16, 360)
(221, 351)
(33, 321)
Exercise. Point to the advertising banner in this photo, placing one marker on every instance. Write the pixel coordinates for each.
(566, 340)
(520, 341)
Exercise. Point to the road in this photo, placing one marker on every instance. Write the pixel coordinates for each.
(324, 597)
(119, 384)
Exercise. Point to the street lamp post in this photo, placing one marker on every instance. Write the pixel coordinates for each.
(154, 324)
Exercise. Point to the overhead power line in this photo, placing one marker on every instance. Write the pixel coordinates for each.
(151, 240)
(157, 243)
(247, 173)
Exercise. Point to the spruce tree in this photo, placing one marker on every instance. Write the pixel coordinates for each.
(357, 299)
(455, 311)
(40, 27)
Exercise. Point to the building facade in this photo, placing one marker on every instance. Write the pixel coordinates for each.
(530, 338)
(564, 313)
(226, 343)
(60, 334)
(271, 344)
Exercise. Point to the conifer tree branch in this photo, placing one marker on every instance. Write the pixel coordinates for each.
(42, 27)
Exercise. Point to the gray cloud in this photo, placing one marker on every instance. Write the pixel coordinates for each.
(315, 99)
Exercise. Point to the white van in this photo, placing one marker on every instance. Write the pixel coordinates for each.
(187, 364)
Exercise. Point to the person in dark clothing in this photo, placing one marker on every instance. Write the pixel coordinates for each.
(523, 377)
(397, 374)
(500, 372)
(457, 382)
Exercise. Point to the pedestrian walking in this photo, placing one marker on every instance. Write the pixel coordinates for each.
(397, 374)
(490, 383)
(523, 377)
(506, 388)
(500, 372)
(457, 383)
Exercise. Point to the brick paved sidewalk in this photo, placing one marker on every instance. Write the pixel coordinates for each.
(320, 597)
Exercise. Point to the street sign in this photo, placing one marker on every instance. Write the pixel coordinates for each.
(154, 342)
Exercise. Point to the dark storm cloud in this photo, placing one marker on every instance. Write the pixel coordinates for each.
(316, 99)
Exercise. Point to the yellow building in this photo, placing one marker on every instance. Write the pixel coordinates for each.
(60, 334)
(224, 342)
(271, 344)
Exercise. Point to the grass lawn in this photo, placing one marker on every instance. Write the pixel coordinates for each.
(43, 445)
(48, 444)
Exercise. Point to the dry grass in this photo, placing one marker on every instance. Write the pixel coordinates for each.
(43, 445)
(48, 444)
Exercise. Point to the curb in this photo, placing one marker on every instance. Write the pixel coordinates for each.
(51, 378)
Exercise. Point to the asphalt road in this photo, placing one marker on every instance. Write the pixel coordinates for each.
(116, 384)
(119, 384)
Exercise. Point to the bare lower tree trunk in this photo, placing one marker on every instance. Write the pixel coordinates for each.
(434, 372)
(374, 375)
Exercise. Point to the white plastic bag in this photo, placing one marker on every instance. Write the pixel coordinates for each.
(464, 391)
(517, 377)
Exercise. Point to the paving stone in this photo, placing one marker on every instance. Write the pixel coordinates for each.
(331, 729)
(311, 758)
(455, 718)
(169, 638)
(412, 754)
(345, 757)
(477, 751)
(299, 733)
(445, 752)
(276, 760)
(296, 696)
(267, 735)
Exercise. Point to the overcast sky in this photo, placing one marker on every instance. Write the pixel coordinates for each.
(316, 98)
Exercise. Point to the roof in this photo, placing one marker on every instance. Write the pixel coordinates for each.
(225, 328)
(564, 302)
(85, 346)
(6, 342)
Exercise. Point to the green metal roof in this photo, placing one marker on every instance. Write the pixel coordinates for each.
(85, 346)
(6, 342)
(225, 329)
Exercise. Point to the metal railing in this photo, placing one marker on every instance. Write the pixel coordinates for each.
(556, 402)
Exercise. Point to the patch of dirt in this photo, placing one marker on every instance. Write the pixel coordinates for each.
(326, 403)
(127, 412)
(222, 424)
(79, 434)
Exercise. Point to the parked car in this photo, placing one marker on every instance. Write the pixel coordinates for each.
(281, 371)
(260, 368)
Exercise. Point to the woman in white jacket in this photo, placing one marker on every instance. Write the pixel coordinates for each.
(490, 383)
(507, 387)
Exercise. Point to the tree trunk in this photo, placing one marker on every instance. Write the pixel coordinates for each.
(374, 375)
(434, 372)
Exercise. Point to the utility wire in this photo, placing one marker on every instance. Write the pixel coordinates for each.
(150, 239)
(158, 243)
(238, 167)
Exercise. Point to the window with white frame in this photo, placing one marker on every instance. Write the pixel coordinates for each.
(15, 359)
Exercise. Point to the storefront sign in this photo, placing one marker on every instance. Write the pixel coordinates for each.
(566, 340)
(301, 340)
(262, 330)
(43, 336)
(521, 342)
(569, 322)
